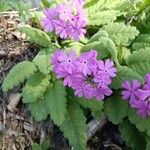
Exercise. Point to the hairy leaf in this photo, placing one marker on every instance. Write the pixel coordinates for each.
(74, 127)
(95, 106)
(141, 123)
(97, 36)
(103, 17)
(42, 62)
(38, 110)
(124, 73)
(18, 74)
(142, 41)
(148, 143)
(94, 7)
(120, 33)
(36, 146)
(104, 47)
(36, 36)
(139, 61)
(116, 109)
(35, 87)
(132, 136)
(56, 102)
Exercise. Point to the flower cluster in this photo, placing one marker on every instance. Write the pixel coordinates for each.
(138, 95)
(87, 76)
(68, 20)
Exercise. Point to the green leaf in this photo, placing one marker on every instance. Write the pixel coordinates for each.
(36, 146)
(124, 73)
(42, 62)
(73, 44)
(116, 109)
(46, 144)
(97, 36)
(102, 17)
(104, 46)
(143, 124)
(95, 106)
(4, 6)
(139, 61)
(56, 102)
(36, 36)
(18, 74)
(148, 143)
(132, 136)
(141, 42)
(35, 107)
(93, 7)
(35, 87)
(125, 8)
(120, 33)
(74, 127)
(46, 3)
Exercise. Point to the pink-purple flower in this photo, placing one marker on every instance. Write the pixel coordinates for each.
(138, 95)
(67, 19)
(83, 74)
(49, 20)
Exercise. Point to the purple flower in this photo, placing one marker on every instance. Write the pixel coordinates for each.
(65, 11)
(68, 61)
(82, 74)
(54, 60)
(48, 22)
(78, 3)
(144, 94)
(84, 89)
(73, 79)
(102, 79)
(130, 90)
(107, 66)
(62, 28)
(77, 31)
(143, 108)
(86, 63)
(101, 92)
(67, 19)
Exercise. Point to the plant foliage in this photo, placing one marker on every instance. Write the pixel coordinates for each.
(118, 30)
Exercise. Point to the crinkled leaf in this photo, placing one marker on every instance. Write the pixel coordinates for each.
(35, 87)
(18, 74)
(94, 7)
(38, 110)
(125, 73)
(139, 61)
(103, 17)
(120, 33)
(56, 102)
(132, 136)
(98, 35)
(95, 106)
(36, 146)
(141, 42)
(74, 127)
(143, 124)
(116, 109)
(36, 36)
(148, 143)
(42, 61)
(104, 46)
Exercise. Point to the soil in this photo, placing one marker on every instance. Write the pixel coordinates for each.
(17, 128)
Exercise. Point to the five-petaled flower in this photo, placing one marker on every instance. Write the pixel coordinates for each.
(84, 74)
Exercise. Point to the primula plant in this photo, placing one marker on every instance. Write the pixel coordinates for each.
(93, 56)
